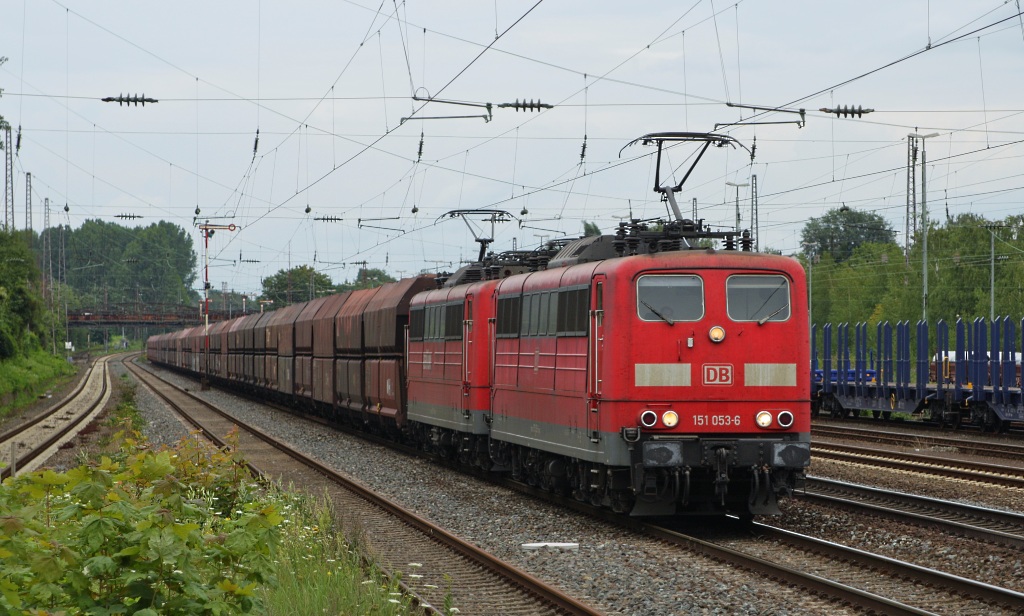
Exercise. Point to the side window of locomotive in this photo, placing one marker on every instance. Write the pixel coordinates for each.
(572, 308)
(507, 325)
(453, 321)
(416, 324)
(524, 316)
(552, 319)
(670, 297)
(757, 298)
(539, 314)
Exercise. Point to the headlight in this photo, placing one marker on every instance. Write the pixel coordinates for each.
(717, 333)
(670, 419)
(648, 418)
(763, 419)
(785, 419)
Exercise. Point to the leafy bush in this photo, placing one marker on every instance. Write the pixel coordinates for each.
(144, 532)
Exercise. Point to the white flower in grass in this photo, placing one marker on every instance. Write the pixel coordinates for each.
(394, 601)
(415, 564)
(415, 576)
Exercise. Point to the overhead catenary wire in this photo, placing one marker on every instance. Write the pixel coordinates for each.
(309, 129)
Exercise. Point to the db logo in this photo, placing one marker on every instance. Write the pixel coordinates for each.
(718, 374)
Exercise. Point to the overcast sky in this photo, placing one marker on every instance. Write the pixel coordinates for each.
(329, 86)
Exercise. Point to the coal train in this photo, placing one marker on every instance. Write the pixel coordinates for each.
(636, 371)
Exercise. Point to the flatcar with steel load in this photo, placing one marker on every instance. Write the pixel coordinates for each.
(638, 371)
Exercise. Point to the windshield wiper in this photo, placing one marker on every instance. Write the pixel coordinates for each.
(657, 314)
(768, 299)
(764, 320)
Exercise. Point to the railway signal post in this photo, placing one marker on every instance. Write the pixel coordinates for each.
(208, 230)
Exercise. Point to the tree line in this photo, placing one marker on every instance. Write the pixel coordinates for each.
(858, 272)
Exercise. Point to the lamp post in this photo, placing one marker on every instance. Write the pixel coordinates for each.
(924, 222)
(810, 281)
(738, 186)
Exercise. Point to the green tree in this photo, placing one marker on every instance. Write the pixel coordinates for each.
(23, 321)
(590, 228)
(842, 230)
(366, 279)
(298, 284)
(108, 264)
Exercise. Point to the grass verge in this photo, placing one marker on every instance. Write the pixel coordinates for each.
(319, 572)
(23, 379)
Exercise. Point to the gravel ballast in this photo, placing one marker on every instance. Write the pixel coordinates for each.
(614, 569)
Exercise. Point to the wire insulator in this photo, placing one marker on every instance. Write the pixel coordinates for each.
(419, 154)
(583, 150)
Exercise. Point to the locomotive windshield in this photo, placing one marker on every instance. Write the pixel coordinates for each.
(670, 298)
(757, 298)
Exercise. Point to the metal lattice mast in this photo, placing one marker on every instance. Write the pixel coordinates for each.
(910, 228)
(9, 191)
(28, 204)
(755, 222)
(47, 264)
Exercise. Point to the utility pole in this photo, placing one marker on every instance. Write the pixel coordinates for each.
(810, 281)
(992, 270)
(992, 277)
(9, 183)
(924, 221)
(28, 207)
(910, 226)
(738, 186)
(755, 223)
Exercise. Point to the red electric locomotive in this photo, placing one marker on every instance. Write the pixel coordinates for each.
(660, 384)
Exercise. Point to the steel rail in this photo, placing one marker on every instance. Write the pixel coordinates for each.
(960, 518)
(958, 469)
(972, 447)
(876, 562)
(862, 599)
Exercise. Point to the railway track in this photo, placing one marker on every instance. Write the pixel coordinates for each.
(993, 526)
(898, 587)
(936, 464)
(479, 582)
(961, 445)
(27, 446)
(844, 575)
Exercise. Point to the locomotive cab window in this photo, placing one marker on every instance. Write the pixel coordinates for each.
(757, 298)
(670, 298)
